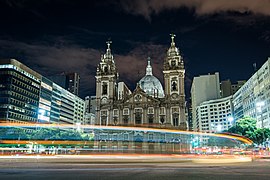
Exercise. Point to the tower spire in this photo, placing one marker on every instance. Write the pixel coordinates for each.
(172, 37)
(109, 42)
(149, 67)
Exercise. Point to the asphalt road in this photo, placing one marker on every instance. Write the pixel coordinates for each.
(37, 169)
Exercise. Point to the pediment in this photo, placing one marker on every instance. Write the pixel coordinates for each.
(139, 96)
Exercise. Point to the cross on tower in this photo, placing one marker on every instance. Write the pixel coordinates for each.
(148, 59)
(109, 42)
(172, 36)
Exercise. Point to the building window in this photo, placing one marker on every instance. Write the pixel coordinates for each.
(175, 117)
(162, 110)
(150, 118)
(115, 113)
(104, 89)
(162, 119)
(174, 84)
(115, 120)
(175, 110)
(138, 118)
(126, 111)
(105, 69)
(150, 110)
(138, 97)
(103, 113)
(125, 119)
(103, 120)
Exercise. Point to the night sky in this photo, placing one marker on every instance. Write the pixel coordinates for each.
(55, 36)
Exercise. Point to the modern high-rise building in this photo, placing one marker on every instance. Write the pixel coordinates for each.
(90, 104)
(228, 89)
(19, 92)
(149, 104)
(90, 110)
(203, 88)
(214, 116)
(68, 81)
(253, 98)
(73, 83)
(28, 97)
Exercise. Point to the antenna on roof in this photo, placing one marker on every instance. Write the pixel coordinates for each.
(254, 67)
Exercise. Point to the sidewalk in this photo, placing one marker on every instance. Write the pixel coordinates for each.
(130, 158)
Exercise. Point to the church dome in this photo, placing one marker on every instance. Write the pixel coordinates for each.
(150, 84)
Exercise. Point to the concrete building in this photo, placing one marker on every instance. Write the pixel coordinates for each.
(26, 96)
(68, 81)
(253, 98)
(89, 119)
(90, 104)
(90, 109)
(204, 88)
(215, 115)
(228, 89)
(73, 83)
(149, 104)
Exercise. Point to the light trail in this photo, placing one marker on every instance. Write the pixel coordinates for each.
(122, 128)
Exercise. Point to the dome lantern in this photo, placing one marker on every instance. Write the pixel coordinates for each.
(150, 84)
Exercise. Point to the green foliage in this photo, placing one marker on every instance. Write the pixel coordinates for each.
(13, 133)
(247, 127)
(42, 134)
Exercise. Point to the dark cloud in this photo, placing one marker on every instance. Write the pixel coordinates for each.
(52, 36)
(52, 60)
(136, 61)
(201, 7)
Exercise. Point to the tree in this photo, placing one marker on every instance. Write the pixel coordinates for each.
(247, 127)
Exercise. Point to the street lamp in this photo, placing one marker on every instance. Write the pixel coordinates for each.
(219, 128)
(230, 119)
(78, 125)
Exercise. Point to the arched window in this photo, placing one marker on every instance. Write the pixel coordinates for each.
(104, 89)
(105, 69)
(173, 63)
(174, 86)
(175, 117)
(150, 118)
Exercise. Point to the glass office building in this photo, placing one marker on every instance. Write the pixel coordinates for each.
(19, 92)
(26, 96)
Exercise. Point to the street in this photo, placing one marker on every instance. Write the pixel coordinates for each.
(50, 169)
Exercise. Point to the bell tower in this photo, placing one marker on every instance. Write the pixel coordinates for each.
(106, 79)
(174, 74)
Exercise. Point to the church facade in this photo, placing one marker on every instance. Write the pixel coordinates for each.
(149, 105)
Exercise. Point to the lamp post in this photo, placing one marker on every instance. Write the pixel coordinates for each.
(230, 119)
(78, 126)
(219, 128)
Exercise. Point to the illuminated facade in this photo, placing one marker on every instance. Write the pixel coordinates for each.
(203, 88)
(253, 98)
(27, 96)
(215, 115)
(148, 105)
(19, 92)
